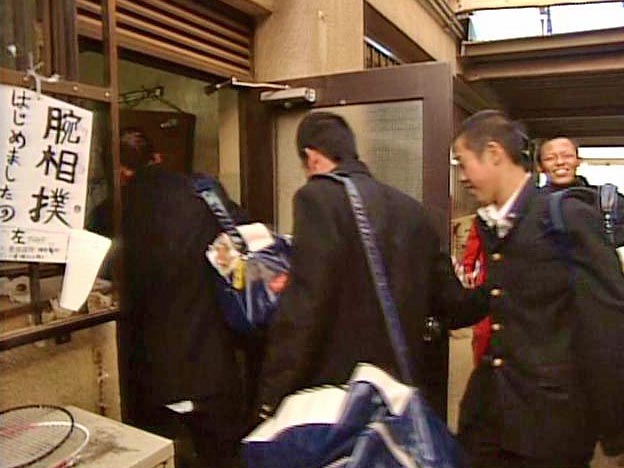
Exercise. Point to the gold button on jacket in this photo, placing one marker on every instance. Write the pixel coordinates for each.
(497, 362)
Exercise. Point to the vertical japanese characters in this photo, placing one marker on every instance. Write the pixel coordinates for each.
(44, 154)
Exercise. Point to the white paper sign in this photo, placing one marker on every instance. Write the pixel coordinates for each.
(33, 245)
(44, 166)
(85, 253)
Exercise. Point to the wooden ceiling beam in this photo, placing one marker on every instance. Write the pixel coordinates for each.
(579, 126)
(616, 140)
(474, 97)
(570, 84)
(559, 43)
(596, 63)
(567, 113)
(575, 53)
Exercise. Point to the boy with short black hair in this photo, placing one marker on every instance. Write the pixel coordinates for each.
(553, 380)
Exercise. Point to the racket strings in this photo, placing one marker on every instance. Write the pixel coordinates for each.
(30, 433)
(30, 440)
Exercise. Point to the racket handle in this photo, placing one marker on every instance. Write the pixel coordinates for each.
(73, 461)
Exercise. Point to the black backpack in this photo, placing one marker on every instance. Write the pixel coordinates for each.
(604, 197)
(598, 332)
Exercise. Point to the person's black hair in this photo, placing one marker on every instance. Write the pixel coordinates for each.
(327, 133)
(493, 125)
(557, 137)
(136, 149)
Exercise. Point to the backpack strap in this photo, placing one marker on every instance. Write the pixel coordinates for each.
(556, 228)
(555, 212)
(608, 199)
(377, 269)
(206, 189)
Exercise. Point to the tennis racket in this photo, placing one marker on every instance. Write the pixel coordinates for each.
(75, 444)
(32, 432)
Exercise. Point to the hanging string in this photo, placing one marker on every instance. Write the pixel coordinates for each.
(32, 72)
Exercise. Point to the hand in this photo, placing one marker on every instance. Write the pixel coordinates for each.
(466, 277)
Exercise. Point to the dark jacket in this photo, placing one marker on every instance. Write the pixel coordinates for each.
(549, 402)
(174, 341)
(581, 181)
(329, 317)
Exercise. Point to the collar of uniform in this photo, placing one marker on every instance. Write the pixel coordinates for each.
(352, 166)
(503, 218)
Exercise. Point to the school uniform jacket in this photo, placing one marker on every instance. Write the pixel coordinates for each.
(555, 373)
(173, 336)
(329, 317)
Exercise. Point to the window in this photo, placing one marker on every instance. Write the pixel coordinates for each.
(493, 25)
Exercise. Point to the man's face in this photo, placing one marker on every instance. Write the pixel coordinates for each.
(477, 172)
(558, 160)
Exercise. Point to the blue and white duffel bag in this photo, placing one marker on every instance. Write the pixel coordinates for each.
(374, 422)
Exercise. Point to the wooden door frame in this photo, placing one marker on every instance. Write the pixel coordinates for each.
(430, 82)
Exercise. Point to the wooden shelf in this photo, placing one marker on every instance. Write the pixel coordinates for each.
(12, 269)
(20, 309)
(56, 328)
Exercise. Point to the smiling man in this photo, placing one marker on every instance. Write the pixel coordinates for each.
(559, 160)
(548, 387)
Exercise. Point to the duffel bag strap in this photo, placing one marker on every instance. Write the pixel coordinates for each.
(378, 271)
(205, 189)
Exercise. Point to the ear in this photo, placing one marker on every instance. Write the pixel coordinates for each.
(311, 152)
(312, 156)
(495, 152)
(577, 162)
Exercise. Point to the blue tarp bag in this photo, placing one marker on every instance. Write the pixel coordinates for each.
(252, 265)
(374, 422)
